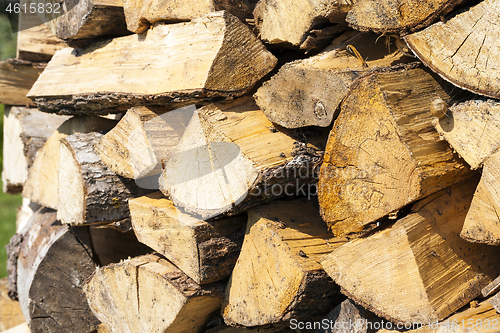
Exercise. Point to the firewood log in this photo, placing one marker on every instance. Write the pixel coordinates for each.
(54, 261)
(425, 271)
(16, 79)
(472, 128)
(206, 252)
(491, 288)
(23, 328)
(389, 16)
(383, 152)
(464, 49)
(210, 57)
(278, 276)
(41, 186)
(35, 41)
(288, 22)
(140, 15)
(86, 19)
(89, 192)
(143, 140)
(231, 158)
(348, 317)
(25, 132)
(230, 329)
(10, 311)
(482, 222)
(308, 92)
(149, 294)
(25, 212)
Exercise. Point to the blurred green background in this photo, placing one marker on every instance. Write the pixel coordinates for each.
(8, 203)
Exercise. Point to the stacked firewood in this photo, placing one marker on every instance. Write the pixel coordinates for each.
(271, 166)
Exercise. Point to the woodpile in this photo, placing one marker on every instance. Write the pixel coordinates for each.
(254, 166)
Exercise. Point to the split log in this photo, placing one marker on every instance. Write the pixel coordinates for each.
(149, 294)
(140, 15)
(482, 222)
(16, 79)
(400, 16)
(210, 57)
(230, 329)
(278, 276)
(425, 271)
(495, 302)
(464, 49)
(10, 312)
(231, 158)
(288, 22)
(472, 128)
(206, 252)
(86, 19)
(35, 41)
(308, 92)
(54, 260)
(23, 328)
(348, 317)
(25, 132)
(89, 192)
(24, 213)
(41, 186)
(383, 152)
(143, 140)
(491, 288)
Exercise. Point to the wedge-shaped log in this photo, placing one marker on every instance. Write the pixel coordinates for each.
(231, 158)
(472, 128)
(41, 186)
(308, 92)
(89, 192)
(482, 221)
(464, 49)
(425, 271)
(383, 152)
(278, 276)
(288, 22)
(143, 140)
(394, 16)
(85, 19)
(213, 56)
(25, 132)
(206, 252)
(140, 15)
(16, 79)
(149, 294)
(54, 261)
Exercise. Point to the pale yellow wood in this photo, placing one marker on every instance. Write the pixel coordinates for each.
(16, 79)
(10, 311)
(472, 128)
(206, 252)
(464, 50)
(213, 56)
(149, 294)
(278, 268)
(41, 186)
(308, 92)
(231, 156)
(289, 21)
(23, 328)
(424, 270)
(383, 152)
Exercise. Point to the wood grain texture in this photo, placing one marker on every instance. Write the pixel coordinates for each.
(472, 128)
(396, 16)
(278, 276)
(41, 186)
(464, 50)
(205, 251)
(25, 132)
(54, 261)
(16, 79)
(171, 65)
(308, 92)
(288, 22)
(231, 157)
(425, 271)
(140, 15)
(149, 294)
(383, 152)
